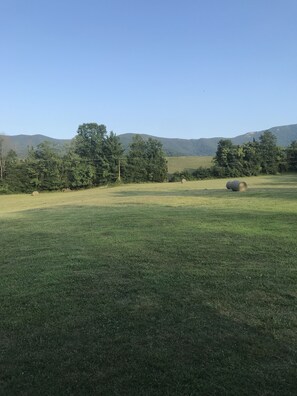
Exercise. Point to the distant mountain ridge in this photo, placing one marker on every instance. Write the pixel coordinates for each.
(208, 146)
(172, 146)
(175, 147)
(21, 143)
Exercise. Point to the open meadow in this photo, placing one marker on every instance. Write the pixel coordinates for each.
(150, 289)
(189, 163)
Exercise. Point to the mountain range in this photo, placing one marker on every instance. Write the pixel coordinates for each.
(172, 146)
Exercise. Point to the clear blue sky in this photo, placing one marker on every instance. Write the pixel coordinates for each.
(171, 68)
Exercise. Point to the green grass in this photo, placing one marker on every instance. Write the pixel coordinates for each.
(164, 289)
(178, 164)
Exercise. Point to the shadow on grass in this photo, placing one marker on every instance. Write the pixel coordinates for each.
(172, 193)
(286, 179)
(272, 193)
(138, 301)
(129, 349)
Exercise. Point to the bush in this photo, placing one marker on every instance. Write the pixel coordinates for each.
(178, 176)
(202, 173)
(4, 188)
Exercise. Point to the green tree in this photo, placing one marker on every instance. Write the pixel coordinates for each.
(146, 161)
(270, 154)
(89, 144)
(156, 161)
(113, 153)
(44, 167)
(2, 158)
(9, 174)
(251, 159)
(77, 172)
(228, 159)
(137, 161)
(14, 177)
(31, 164)
(291, 154)
(17, 176)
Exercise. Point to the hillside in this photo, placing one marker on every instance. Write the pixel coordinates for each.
(172, 146)
(179, 147)
(207, 146)
(21, 143)
(284, 134)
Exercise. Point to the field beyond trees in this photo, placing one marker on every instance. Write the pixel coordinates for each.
(150, 289)
(190, 164)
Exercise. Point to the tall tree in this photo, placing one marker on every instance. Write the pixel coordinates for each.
(146, 161)
(44, 167)
(251, 159)
(13, 176)
(11, 160)
(113, 151)
(292, 156)
(77, 172)
(270, 153)
(227, 159)
(89, 142)
(2, 158)
(224, 154)
(16, 175)
(156, 161)
(136, 161)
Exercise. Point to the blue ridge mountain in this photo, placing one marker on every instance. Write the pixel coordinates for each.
(172, 146)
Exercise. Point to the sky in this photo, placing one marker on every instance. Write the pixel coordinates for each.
(169, 68)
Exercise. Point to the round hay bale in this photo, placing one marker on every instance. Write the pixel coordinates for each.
(237, 185)
(228, 184)
(34, 193)
(183, 181)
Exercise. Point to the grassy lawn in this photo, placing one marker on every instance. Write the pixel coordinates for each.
(178, 164)
(152, 289)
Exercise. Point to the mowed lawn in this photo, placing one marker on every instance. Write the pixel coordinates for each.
(152, 289)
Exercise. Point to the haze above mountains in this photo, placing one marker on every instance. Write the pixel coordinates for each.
(172, 146)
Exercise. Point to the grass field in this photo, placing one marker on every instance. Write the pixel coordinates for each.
(153, 289)
(178, 164)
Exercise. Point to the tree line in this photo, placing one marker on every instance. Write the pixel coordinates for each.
(94, 158)
(248, 159)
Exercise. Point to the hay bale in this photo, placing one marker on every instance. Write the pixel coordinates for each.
(183, 181)
(34, 193)
(236, 185)
(240, 186)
